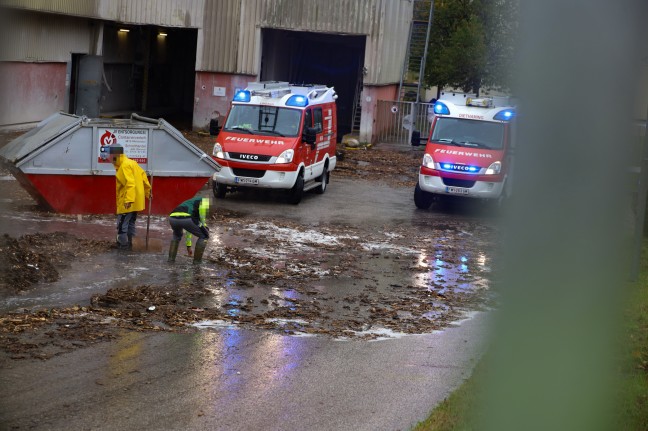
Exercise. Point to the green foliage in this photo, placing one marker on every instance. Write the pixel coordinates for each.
(456, 413)
(634, 384)
(472, 44)
(459, 412)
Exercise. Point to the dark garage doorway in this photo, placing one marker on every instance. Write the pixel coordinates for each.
(317, 58)
(149, 70)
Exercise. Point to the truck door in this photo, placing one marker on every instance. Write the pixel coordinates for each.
(316, 153)
(307, 151)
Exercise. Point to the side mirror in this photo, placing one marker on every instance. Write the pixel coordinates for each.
(310, 135)
(416, 138)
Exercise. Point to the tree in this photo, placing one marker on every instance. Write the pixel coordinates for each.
(472, 44)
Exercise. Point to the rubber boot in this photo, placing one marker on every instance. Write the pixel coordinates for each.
(198, 252)
(130, 242)
(173, 250)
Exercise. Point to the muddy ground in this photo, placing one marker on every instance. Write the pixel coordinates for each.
(295, 299)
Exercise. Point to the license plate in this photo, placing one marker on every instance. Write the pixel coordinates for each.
(240, 180)
(457, 190)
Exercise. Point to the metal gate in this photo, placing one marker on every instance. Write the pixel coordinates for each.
(395, 121)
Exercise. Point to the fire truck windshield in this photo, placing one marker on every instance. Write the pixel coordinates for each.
(469, 133)
(262, 120)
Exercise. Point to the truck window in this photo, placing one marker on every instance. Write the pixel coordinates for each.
(317, 117)
(469, 133)
(308, 118)
(268, 120)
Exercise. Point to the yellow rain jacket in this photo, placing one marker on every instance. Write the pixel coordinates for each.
(132, 185)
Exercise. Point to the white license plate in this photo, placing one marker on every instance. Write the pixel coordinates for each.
(457, 190)
(240, 180)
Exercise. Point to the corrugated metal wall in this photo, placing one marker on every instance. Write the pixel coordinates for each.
(249, 47)
(230, 40)
(168, 13)
(220, 37)
(232, 31)
(39, 37)
(387, 42)
(171, 13)
(87, 8)
(328, 16)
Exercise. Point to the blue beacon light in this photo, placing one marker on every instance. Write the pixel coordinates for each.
(297, 100)
(441, 108)
(505, 115)
(242, 96)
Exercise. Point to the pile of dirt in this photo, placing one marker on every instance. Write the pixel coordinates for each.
(395, 168)
(264, 284)
(201, 140)
(21, 267)
(39, 257)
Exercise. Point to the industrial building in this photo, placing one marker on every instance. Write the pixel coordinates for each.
(184, 59)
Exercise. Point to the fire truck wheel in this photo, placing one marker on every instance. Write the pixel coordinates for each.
(219, 190)
(324, 181)
(296, 193)
(422, 199)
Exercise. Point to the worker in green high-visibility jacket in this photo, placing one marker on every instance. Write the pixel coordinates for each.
(190, 216)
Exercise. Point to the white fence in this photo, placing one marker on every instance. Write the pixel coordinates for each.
(395, 121)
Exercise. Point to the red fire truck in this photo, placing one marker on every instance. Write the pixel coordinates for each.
(278, 136)
(468, 152)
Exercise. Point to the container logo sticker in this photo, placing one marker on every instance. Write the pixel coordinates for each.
(134, 141)
(107, 138)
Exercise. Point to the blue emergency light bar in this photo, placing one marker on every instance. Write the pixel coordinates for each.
(242, 96)
(441, 108)
(459, 168)
(505, 115)
(297, 100)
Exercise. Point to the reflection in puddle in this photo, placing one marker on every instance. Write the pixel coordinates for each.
(464, 275)
(296, 280)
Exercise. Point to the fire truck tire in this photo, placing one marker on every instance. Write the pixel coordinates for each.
(219, 190)
(324, 181)
(422, 199)
(295, 194)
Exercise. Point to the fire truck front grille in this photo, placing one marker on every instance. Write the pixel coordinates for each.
(250, 173)
(458, 183)
(250, 157)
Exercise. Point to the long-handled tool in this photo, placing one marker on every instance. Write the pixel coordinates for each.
(148, 218)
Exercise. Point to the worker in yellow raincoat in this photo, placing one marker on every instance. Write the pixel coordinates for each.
(132, 188)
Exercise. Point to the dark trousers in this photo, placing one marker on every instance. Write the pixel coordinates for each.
(180, 224)
(125, 227)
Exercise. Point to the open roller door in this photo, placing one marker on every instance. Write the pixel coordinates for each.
(317, 58)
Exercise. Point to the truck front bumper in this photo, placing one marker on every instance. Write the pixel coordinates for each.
(480, 189)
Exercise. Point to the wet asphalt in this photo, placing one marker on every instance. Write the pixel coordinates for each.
(233, 378)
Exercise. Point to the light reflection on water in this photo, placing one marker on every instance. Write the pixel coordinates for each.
(243, 365)
(463, 275)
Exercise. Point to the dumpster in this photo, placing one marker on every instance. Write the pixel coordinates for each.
(58, 162)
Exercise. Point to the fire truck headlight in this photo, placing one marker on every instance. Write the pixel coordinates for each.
(428, 161)
(218, 151)
(286, 156)
(494, 169)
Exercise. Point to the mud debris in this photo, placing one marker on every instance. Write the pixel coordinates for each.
(40, 257)
(267, 281)
(265, 285)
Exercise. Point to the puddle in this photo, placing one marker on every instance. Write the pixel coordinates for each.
(284, 277)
